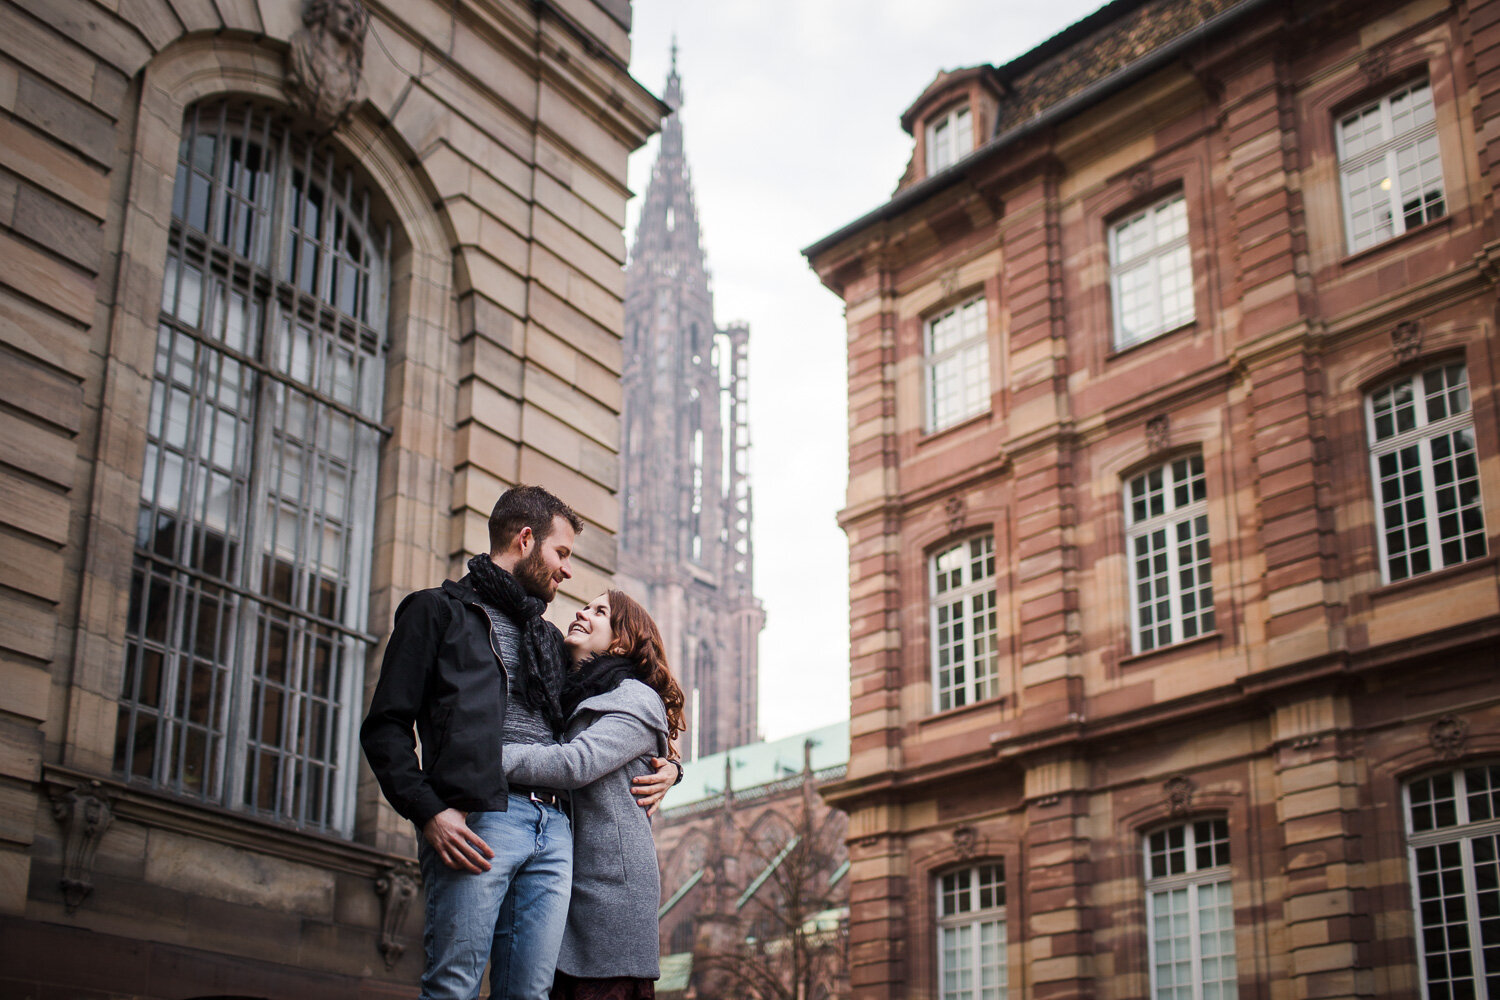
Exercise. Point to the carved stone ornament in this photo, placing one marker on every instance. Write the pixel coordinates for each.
(949, 282)
(324, 66)
(965, 842)
(957, 512)
(397, 887)
(1449, 735)
(1158, 433)
(1140, 180)
(1179, 794)
(84, 814)
(1406, 340)
(1375, 65)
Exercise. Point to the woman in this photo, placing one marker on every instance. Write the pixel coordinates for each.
(622, 707)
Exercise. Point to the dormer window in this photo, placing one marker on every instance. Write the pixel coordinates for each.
(950, 137)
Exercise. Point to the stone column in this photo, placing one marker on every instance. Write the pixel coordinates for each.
(1058, 935)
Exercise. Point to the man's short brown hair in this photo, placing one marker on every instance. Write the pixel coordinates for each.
(527, 507)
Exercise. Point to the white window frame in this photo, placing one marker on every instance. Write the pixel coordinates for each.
(956, 363)
(1158, 268)
(1395, 139)
(1406, 437)
(244, 672)
(1458, 848)
(1166, 525)
(964, 616)
(970, 904)
(950, 137)
(1203, 894)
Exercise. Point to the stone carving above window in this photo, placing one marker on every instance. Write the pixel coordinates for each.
(1449, 736)
(1178, 791)
(958, 512)
(1406, 341)
(325, 65)
(1158, 433)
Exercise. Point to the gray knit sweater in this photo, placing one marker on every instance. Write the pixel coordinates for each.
(612, 926)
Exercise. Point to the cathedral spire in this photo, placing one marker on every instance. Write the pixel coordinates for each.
(684, 481)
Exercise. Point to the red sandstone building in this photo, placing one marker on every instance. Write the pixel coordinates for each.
(1173, 497)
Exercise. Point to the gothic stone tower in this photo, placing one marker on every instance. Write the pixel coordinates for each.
(685, 496)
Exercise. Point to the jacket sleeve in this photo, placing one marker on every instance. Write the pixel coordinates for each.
(608, 744)
(388, 735)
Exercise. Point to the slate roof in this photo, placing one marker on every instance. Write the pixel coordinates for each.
(1114, 36)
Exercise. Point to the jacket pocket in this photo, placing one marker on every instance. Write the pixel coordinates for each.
(599, 850)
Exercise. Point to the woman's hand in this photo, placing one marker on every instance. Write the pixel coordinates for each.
(649, 789)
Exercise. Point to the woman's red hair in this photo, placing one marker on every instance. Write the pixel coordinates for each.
(636, 637)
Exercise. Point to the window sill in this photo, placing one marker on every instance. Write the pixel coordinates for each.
(973, 708)
(1359, 257)
(951, 428)
(157, 809)
(1115, 352)
(1195, 641)
(1443, 576)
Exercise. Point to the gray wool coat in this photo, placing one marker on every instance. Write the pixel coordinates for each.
(612, 926)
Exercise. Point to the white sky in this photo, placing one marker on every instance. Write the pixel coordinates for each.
(791, 127)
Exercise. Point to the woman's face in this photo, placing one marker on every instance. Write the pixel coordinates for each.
(589, 633)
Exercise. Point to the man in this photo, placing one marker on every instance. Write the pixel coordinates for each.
(474, 666)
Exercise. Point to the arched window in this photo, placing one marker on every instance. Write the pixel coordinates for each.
(971, 933)
(247, 630)
(1453, 839)
(1425, 465)
(1190, 912)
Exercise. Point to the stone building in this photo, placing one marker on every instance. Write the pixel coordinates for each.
(685, 546)
(288, 294)
(755, 898)
(1174, 472)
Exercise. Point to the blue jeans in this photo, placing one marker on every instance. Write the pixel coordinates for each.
(512, 916)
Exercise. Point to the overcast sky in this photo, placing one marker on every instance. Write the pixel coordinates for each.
(791, 127)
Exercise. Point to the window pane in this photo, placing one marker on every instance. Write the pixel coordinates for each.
(250, 575)
(1151, 271)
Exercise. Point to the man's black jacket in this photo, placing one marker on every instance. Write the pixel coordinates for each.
(442, 672)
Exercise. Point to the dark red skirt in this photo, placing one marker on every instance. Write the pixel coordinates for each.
(566, 987)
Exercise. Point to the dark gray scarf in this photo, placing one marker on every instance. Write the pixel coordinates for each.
(539, 676)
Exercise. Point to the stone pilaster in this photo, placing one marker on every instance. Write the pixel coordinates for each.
(1327, 916)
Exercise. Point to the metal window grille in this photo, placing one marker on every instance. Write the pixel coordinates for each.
(1166, 527)
(957, 361)
(1151, 272)
(965, 627)
(1425, 468)
(971, 933)
(1390, 166)
(1190, 912)
(246, 632)
(1453, 845)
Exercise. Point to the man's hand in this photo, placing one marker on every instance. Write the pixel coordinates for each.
(460, 848)
(649, 789)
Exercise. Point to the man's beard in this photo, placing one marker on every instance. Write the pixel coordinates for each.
(534, 576)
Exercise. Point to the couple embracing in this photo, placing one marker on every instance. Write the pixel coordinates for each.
(540, 755)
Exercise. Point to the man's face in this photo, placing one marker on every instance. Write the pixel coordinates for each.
(547, 563)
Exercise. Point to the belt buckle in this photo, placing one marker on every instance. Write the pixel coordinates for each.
(533, 796)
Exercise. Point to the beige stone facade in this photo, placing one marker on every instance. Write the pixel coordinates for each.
(1273, 655)
(488, 145)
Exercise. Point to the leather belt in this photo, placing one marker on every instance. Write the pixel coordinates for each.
(541, 796)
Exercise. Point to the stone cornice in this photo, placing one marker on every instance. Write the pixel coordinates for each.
(1247, 697)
